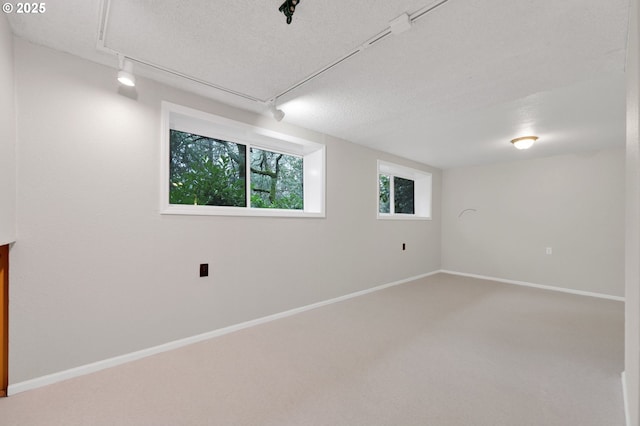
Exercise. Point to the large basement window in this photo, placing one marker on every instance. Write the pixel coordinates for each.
(216, 166)
(403, 192)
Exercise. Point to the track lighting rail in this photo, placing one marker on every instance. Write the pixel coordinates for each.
(104, 19)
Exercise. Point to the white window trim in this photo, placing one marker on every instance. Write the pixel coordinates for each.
(422, 191)
(186, 119)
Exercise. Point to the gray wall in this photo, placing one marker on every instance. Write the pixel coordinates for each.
(98, 272)
(571, 203)
(632, 267)
(7, 136)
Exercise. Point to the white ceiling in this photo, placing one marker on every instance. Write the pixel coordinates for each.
(466, 78)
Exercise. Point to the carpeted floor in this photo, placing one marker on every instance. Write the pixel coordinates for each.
(443, 350)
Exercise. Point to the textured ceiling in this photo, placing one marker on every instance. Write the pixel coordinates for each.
(245, 45)
(469, 76)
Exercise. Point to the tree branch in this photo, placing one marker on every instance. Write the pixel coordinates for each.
(264, 172)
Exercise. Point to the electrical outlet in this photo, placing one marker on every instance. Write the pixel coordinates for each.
(549, 250)
(204, 269)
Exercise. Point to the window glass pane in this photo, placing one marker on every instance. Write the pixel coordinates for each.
(384, 205)
(276, 180)
(206, 171)
(403, 195)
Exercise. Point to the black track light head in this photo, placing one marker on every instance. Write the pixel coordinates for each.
(288, 8)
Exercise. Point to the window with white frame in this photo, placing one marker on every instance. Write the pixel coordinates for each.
(216, 166)
(403, 192)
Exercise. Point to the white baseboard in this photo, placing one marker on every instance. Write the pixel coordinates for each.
(122, 359)
(623, 377)
(541, 286)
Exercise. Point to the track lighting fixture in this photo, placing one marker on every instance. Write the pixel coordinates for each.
(278, 114)
(125, 74)
(287, 8)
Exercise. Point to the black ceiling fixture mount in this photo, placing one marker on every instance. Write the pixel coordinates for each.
(288, 7)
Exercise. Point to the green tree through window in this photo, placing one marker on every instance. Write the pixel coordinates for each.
(385, 194)
(403, 195)
(397, 195)
(206, 171)
(276, 180)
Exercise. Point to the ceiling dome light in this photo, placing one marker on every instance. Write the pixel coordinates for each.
(125, 75)
(524, 142)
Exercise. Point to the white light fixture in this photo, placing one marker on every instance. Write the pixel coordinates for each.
(524, 142)
(278, 114)
(125, 75)
(401, 24)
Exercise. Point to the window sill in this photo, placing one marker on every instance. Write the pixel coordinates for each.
(402, 217)
(177, 209)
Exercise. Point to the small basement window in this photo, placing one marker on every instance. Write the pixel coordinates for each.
(403, 192)
(216, 166)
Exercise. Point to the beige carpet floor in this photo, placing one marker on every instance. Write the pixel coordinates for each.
(443, 350)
